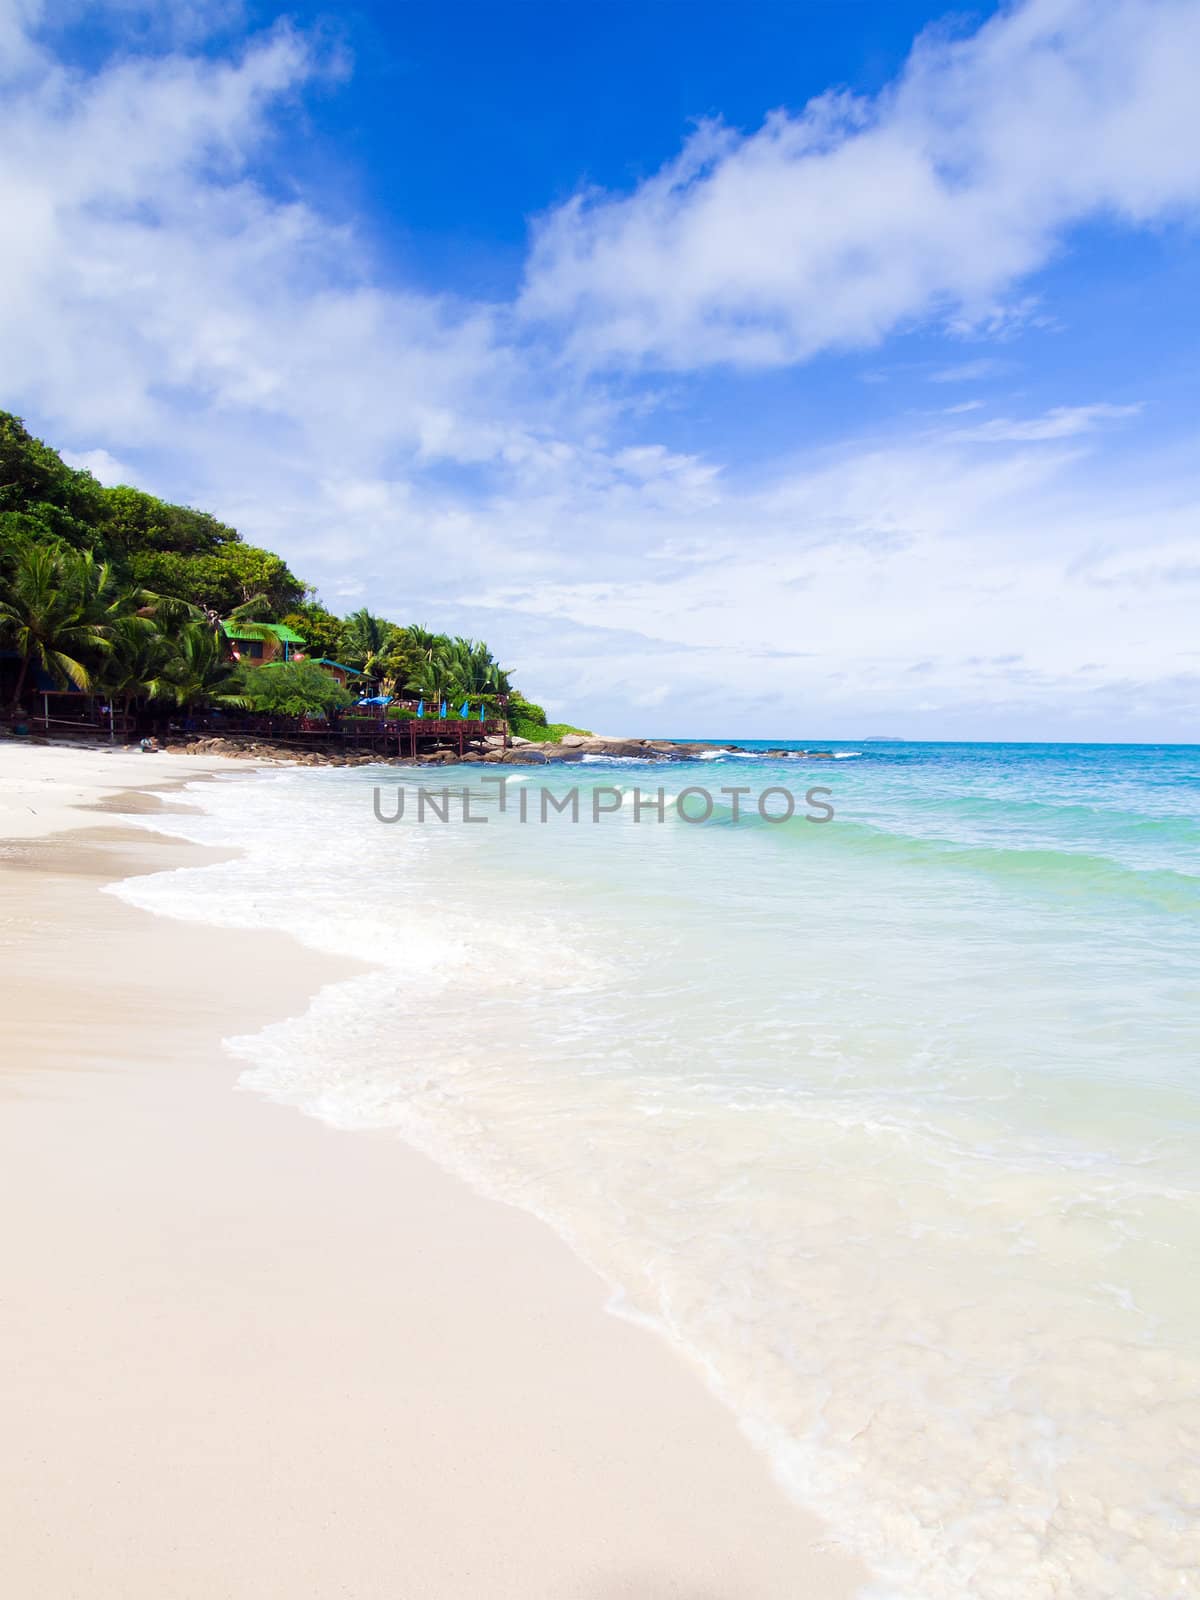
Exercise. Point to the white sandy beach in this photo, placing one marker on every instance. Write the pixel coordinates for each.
(245, 1355)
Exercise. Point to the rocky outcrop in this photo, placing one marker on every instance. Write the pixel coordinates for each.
(561, 752)
(266, 750)
(525, 755)
(575, 746)
(520, 752)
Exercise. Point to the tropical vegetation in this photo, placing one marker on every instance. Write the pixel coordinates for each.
(116, 592)
(528, 721)
(294, 689)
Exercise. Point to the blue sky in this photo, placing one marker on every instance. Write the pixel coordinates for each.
(803, 370)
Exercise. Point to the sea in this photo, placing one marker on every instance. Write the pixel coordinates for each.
(880, 1103)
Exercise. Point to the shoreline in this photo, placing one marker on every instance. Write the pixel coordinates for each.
(298, 750)
(256, 1356)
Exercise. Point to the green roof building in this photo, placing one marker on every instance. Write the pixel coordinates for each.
(256, 643)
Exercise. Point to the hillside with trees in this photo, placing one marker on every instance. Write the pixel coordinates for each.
(116, 592)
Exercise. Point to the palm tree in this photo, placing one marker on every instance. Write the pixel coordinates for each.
(459, 669)
(198, 672)
(249, 615)
(426, 681)
(421, 641)
(140, 653)
(365, 642)
(473, 670)
(59, 611)
(171, 613)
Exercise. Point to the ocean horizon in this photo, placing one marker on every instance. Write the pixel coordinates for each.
(890, 1125)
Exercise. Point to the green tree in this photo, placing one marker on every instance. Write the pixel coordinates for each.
(139, 653)
(455, 670)
(365, 642)
(197, 672)
(21, 531)
(522, 710)
(58, 612)
(470, 666)
(294, 689)
(399, 661)
(221, 581)
(56, 501)
(421, 641)
(136, 523)
(322, 631)
(426, 681)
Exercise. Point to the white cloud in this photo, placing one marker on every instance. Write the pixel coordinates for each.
(970, 371)
(832, 227)
(1028, 596)
(171, 322)
(175, 285)
(1061, 422)
(103, 466)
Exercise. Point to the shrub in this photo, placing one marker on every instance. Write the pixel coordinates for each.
(293, 689)
(522, 710)
(544, 732)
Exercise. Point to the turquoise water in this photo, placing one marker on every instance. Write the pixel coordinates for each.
(890, 1123)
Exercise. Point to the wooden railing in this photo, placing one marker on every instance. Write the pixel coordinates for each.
(395, 733)
(399, 735)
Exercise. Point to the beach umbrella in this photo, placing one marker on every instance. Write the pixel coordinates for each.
(482, 718)
(443, 711)
(466, 710)
(420, 708)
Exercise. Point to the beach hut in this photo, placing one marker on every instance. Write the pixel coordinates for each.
(339, 673)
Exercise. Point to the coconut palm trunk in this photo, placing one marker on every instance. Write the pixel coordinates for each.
(15, 707)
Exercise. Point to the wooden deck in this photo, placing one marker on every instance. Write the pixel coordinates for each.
(377, 735)
(412, 734)
(355, 734)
